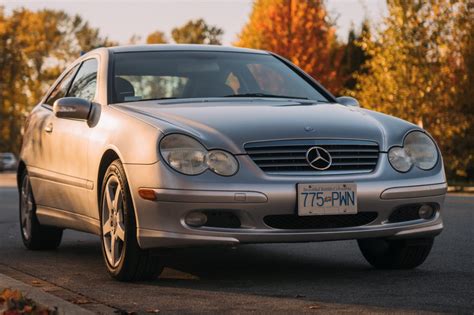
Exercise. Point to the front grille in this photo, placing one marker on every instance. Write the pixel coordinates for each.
(289, 156)
(294, 222)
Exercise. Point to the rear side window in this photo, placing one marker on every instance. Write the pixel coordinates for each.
(85, 82)
(60, 90)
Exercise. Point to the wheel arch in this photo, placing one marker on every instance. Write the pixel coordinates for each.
(108, 157)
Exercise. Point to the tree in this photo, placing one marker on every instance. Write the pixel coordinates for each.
(34, 48)
(197, 32)
(156, 37)
(420, 69)
(300, 31)
(463, 143)
(353, 56)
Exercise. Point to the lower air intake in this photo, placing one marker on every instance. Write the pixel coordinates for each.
(294, 222)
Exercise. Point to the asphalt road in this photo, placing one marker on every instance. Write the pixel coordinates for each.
(283, 278)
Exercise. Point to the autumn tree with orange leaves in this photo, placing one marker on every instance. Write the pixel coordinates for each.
(300, 31)
(35, 47)
(420, 68)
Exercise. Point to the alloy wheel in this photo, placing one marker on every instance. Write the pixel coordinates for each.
(113, 224)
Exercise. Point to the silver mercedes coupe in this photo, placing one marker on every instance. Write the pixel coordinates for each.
(168, 146)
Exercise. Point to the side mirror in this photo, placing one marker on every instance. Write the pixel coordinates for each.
(348, 101)
(72, 107)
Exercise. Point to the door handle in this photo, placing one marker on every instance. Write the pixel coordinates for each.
(49, 128)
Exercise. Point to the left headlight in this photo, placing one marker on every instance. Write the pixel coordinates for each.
(418, 149)
(186, 155)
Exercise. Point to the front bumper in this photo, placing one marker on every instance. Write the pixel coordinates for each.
(251, 207)
(251, 196)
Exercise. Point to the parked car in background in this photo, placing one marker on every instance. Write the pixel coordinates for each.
(8, 162)
(168, 146)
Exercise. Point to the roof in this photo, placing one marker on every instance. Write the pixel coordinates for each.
(182, 47)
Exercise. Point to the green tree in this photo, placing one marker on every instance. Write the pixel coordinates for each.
(156, 37)
(353, 56)
(420, 69)
(300, 31)
(197, 32)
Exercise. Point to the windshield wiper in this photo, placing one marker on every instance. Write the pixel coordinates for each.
(266, 95)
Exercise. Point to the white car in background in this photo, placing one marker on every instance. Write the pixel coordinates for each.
(8, 161)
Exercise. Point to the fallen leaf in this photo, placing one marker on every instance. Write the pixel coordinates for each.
(27, 309)
(80, 301)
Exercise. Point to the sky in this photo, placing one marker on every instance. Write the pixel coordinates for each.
(120, 20)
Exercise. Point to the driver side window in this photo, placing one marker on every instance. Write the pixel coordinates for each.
(60, 90)
(85, 82)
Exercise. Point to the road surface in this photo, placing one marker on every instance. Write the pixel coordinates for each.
(283, 278)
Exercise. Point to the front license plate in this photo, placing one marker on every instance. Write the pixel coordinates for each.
(326, 199)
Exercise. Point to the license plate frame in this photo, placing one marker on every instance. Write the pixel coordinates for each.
(326, 198)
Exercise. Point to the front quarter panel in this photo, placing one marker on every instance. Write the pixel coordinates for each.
(132, 140)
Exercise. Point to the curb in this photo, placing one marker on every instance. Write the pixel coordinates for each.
(41, 297)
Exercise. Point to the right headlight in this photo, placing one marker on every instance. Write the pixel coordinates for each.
(418, 149)
(186, 155)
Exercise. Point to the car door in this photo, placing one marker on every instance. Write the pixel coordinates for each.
(39, 149)
(69, 144)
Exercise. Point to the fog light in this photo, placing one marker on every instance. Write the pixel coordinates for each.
(426, 211)
(196, 219)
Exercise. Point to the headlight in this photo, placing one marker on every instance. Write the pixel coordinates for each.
(421, 149)
(418, 149)
(189, 157)
(222, 163)
(184, 154)
(399, 159)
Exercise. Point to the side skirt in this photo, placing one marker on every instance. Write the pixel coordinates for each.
(67, 220)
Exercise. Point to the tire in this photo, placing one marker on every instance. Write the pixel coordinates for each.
(396, 254)
(124, 258)
(34, 235)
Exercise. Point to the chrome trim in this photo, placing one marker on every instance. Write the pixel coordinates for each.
(414, 191)
(60, 178)
(209, 196)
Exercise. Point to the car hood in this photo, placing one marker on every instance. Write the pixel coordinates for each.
(230, 125)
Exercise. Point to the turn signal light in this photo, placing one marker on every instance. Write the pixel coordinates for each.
(148, 194)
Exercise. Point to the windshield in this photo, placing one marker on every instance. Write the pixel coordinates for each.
(196, 74)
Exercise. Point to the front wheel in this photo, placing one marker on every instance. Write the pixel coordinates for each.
(396, 254)
(124, 258)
